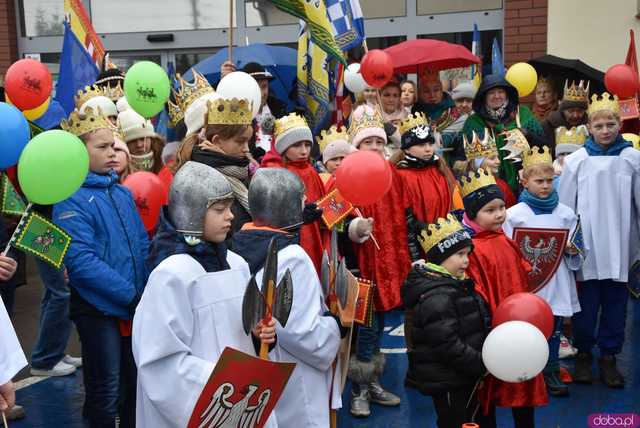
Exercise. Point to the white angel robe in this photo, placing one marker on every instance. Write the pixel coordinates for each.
(311, 341)
(12, 359)
(185, 319)
(605, 192)
(560, 292)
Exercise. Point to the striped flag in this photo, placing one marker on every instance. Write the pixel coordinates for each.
(476, 49)
(81, 26)
(347, 22)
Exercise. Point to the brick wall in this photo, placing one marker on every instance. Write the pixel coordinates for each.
(525, 30)
(8, 35)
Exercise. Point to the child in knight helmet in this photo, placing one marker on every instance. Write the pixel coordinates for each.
(450, 324)
(539, 207)
(498, 270)
(601, 183)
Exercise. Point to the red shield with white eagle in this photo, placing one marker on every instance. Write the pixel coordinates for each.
(543, 249)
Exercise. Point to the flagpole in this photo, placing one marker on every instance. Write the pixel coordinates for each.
(17, 230)
(231, 30)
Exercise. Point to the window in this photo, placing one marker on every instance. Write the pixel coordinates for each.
(184, 61)
(383, 8)
(123, 61)
(263, 12)
(434, 7)
(42, 17)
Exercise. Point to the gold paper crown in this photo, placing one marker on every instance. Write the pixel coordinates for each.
(604, 104)
(291, 121)
(536, 156)
(85, 95)
(578, 93)
(475, 180)
(229, 112)
(189, 92)
(477, 149)
(413, 120)
(80, 124)
(438, 232)
(176, 114)
(114, 93)
(117, 131)
(516, 144)
(373, 120)
(576, 135)
(332, 134)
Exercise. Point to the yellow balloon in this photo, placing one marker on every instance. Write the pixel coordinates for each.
(523, 76)
(632, 138)
(35, 113)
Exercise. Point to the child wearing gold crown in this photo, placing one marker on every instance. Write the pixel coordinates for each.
(539, 208)
(107, 273)
(498, 270)
(601, 182)
(449, 328)
(334, 145)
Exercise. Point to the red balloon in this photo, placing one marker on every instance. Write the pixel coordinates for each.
(149, 194)
(28, 83)
(166, 177)
(376, 68)
(525, 307)
(363, 177)
(621, 80)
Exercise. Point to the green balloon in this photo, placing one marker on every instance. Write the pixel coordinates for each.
(146, 87)
(52, 166)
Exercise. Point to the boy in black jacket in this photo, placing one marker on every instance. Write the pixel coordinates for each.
(449, 326)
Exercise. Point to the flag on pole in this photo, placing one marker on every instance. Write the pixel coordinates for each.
(81, 26)
(476, 49)
(39, 237)
(632, 57)
(497, 66)
(314, 14)
(12, 202)
(347, 22)
(77, 70)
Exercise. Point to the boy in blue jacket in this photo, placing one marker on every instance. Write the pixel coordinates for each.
(107, 274)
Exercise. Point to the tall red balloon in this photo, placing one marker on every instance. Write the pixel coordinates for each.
(376, 68)
(28, 83)
(621, 80)
(149, 194)
(525, 307)
(363, 177)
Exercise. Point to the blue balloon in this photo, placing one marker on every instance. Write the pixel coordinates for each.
(14, 135)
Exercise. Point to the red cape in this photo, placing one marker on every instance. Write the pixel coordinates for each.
(389, 266)
(509, 197)
(499, 270)
(427, 192)
(312, 238)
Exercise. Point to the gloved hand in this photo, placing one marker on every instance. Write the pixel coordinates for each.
(389, 129)
(311, 213)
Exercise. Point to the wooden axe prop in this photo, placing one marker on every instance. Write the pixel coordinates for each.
(333, 275)
(270, 301)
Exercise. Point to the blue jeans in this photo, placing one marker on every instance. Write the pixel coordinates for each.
(605, 298)
(55, 325)
(368, 343)
(109, 373)
(553, 364)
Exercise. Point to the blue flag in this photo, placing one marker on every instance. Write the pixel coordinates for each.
(497, 66)
(77, 70)
(347, 22)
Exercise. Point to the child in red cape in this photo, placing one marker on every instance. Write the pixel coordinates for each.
(293, 141)
(499, 270)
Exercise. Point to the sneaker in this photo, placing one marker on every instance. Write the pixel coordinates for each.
(609, 373)
(16, 412)
(360, 402)
(380, 396)
(566, 349)
(72, 361)
(555, 386)
(60, 369)
(565, 376)
(583, 373)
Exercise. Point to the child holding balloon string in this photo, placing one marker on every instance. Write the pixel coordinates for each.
(499, 270)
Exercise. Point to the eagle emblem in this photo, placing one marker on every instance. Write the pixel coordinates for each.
(223, 413)
(543, 249)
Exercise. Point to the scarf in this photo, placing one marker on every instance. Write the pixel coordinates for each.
(142, 162)
(613, 149)
(498, 114)
(442, 271)
(540, 205)
(542, 111)
(416, 163)
(235, 170)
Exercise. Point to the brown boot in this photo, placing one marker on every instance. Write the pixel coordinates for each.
(583, 372)
(609, 373)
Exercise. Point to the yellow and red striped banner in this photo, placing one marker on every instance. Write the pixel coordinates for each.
(82, 28)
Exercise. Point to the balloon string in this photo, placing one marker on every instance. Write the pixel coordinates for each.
(373, 238)
(17, 230)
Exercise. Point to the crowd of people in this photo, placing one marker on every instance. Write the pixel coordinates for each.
(154, 309)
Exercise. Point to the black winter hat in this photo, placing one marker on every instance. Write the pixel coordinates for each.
(257, 71)
(477, 199)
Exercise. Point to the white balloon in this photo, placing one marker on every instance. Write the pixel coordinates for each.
(515, 351)
(353, 80)
(242, 86)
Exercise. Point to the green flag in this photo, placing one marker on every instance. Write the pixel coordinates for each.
(41, 238)
(11, 203)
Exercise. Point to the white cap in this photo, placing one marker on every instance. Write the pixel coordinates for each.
(123, 104)
(134, 126)
(196, 112)
(103, 103)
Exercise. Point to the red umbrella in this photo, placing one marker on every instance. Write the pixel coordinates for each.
(413, 56)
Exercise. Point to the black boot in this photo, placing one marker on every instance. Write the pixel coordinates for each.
(555, 386)
(609, 373)
(583, 373)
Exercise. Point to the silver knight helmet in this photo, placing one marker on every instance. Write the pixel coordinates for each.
(276, 198)
(194, 188)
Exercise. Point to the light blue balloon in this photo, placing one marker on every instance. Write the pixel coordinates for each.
(14, 135)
